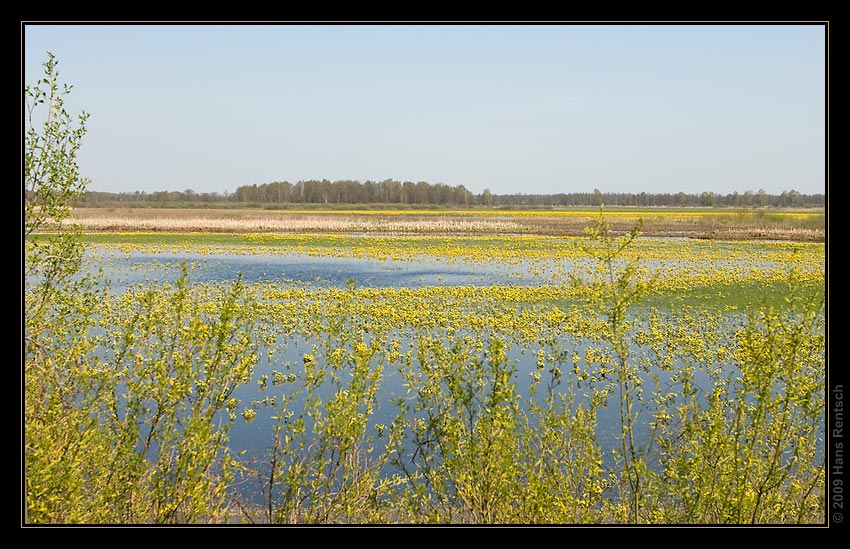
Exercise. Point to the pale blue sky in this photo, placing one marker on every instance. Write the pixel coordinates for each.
(513, 108)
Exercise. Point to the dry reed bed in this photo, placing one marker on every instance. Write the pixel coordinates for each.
(769, 233)
(709, 226)
(298, 224)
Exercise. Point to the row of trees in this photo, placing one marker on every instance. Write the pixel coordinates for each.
(761, 198)
(312, 191)
(390, 191)
(347, 191)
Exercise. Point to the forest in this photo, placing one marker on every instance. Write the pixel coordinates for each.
(389, 191)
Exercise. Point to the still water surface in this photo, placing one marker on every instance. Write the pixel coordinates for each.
(125, 270)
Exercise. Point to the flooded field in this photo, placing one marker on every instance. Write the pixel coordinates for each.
(391, 317)
(308, 370)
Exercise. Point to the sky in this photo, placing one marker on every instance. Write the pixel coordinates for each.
(511, 108)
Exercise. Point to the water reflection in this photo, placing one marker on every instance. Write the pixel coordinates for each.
(124, 270)
(130, 269)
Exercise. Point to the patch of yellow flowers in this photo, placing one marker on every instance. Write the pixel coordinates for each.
(547, 326)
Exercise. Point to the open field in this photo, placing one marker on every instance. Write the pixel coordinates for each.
(806, 226)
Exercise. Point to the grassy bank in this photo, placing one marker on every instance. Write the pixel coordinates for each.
(796, 225)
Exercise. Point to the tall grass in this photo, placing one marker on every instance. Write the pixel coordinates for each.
(718, 224)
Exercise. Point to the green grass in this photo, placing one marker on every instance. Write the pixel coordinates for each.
(739, 297)
(721, 297)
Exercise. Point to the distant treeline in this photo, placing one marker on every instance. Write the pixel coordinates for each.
(439, 194)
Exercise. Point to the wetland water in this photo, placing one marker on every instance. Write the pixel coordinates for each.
(134, 268)
(124, 269)
(128, 269)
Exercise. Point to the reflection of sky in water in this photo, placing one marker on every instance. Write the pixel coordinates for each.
(256, 438)
(129, 269)
(139, 268)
